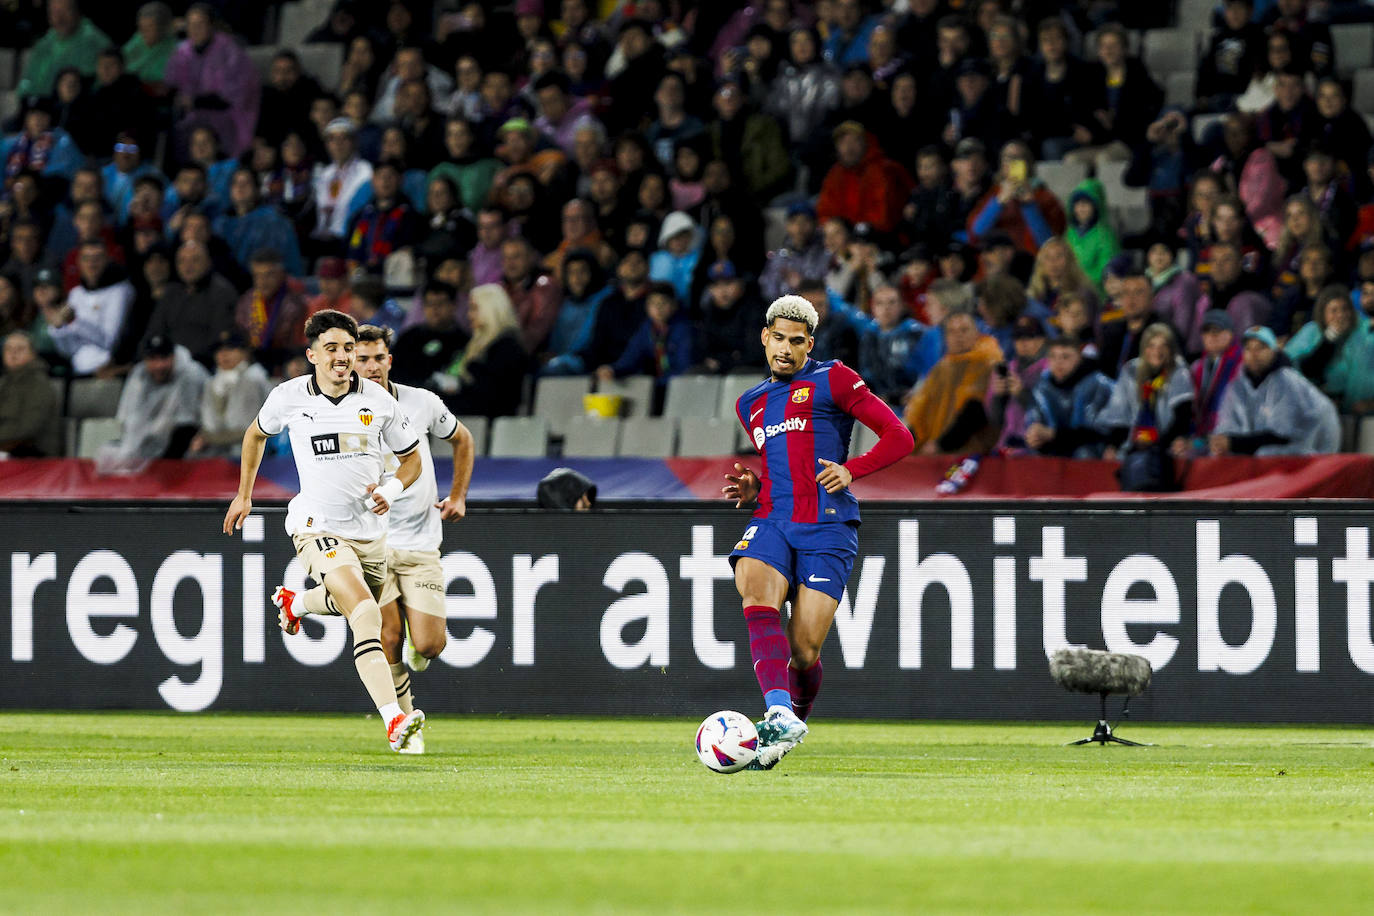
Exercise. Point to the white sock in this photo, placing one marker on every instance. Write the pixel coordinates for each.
(389, 711)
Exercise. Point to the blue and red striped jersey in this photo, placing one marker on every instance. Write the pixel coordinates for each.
(793, 422)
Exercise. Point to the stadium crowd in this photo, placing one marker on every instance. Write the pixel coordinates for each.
(634, 181)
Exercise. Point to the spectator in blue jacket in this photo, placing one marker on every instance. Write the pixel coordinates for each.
(679, 248)
(663, 345)
(248, 225)
(885, 348)
(1062, 418)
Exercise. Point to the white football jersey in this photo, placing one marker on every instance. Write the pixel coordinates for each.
(340, 446)
(413, 522)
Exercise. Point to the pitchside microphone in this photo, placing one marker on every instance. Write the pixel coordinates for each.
(1094, 671)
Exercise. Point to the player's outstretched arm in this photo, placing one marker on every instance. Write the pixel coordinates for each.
(381, 497)
(895, 441)
(455, 505)
(742, 486)
(254, 444)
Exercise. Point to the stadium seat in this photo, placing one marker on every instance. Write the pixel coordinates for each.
(261, 56)
(701, 437)
(1365, 443)
(1061, 177)
(9, 75)
(636, 390)
(731, 387)
(1180, 89)
(1170, 51)
(479, 427)
(1133, 218)
(1202, 122)
(70, 433)
(59, 390)
(692, 396)
(861, 440)
(96, 432)
(322, 61)
(1197, 14)
(591, 437)
(297, 20)
(519, 437)
(559, 398)
(93, 397)
(9, 104)
(1362, 97)
(647, 437)
(1354, 46)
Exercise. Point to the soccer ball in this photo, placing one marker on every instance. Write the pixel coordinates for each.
(727, 742)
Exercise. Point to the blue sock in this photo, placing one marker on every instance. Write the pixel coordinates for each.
(778, 698)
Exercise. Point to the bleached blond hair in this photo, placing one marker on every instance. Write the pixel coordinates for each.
(793, 308)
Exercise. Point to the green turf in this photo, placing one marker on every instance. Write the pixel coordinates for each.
(160, 813)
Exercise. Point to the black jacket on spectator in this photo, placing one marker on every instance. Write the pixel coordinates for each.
(196, 316)
(280, 112)
(1052, 109)
(1231, 61)
(422, 351)
(617, 320)
(1133, 106)
(731, 336)
(495, 382)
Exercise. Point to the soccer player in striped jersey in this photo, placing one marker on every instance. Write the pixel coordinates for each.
(801, 543)
(413, 596)
(342, 427)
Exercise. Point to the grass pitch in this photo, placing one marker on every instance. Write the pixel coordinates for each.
(227, 813)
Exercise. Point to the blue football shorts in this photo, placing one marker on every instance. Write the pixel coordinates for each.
(819, 555)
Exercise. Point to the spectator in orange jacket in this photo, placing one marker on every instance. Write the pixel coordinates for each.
(864, 186)
(1017, 204)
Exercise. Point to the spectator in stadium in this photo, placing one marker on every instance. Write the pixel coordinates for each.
(674, 122)
(1287, 127)
(465, 165)
(159, 408)
(148, 50)
(561, 115)
(25, 260)
(29, 409)
(632, 88)
(1349, 379)
(409, 66)
(420, 126)
(749, 142)
(1317, 349)
(487, 377)
(806, 89)
(198, 308)
(679, 248)
(72, 40)
(271, 314)
(485, 257)
(1090, 235)
(337, 182)
(1175, 293)
(39, 147)
(579, 232)
(286, 98)
(331, 274)
(1119, 336)
(1064, 404)
(803, 255)
(663, 344)
(1314, 49)
(886, 348)
(215, 82)
(848, 33)
(1233, 56)
(1056, 90)
(119, 176)
(1343, 133)
(730, 314)
(1298, 302)
(533, 296)
(1124, 101)
(975, 114)
(584, 289)
(1270, 409)
(230, 400)
(1336, 206)
(916, 274)
(1001, 301)
(946, 410)
(1152, 405)
(863, 186)
(339, 26)
(1013, 381)
(248, 224)
(1057, 273)
(1231, 289)
(430, 346)
(1213, 373)
(87, 326)
(386, 224)
(1017, 204)
(1302, 229)
(116, 102)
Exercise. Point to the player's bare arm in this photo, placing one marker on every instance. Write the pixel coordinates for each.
(454, 506)
(254, 444)
(742, 486)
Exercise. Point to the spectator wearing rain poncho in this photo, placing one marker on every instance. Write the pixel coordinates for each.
(1152, 403)
(1271, 409)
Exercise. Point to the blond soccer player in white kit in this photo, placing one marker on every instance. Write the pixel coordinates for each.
(413, 597)
(342, 427)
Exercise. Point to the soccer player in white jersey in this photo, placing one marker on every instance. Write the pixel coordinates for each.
(413, 598)
(342, 427)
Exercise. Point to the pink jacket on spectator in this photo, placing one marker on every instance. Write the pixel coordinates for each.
(1262, 190)
(1013, 421)
(1176, 301)
(224, 70)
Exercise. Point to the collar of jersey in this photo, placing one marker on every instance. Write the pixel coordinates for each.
(354, 384)
(806, 367)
